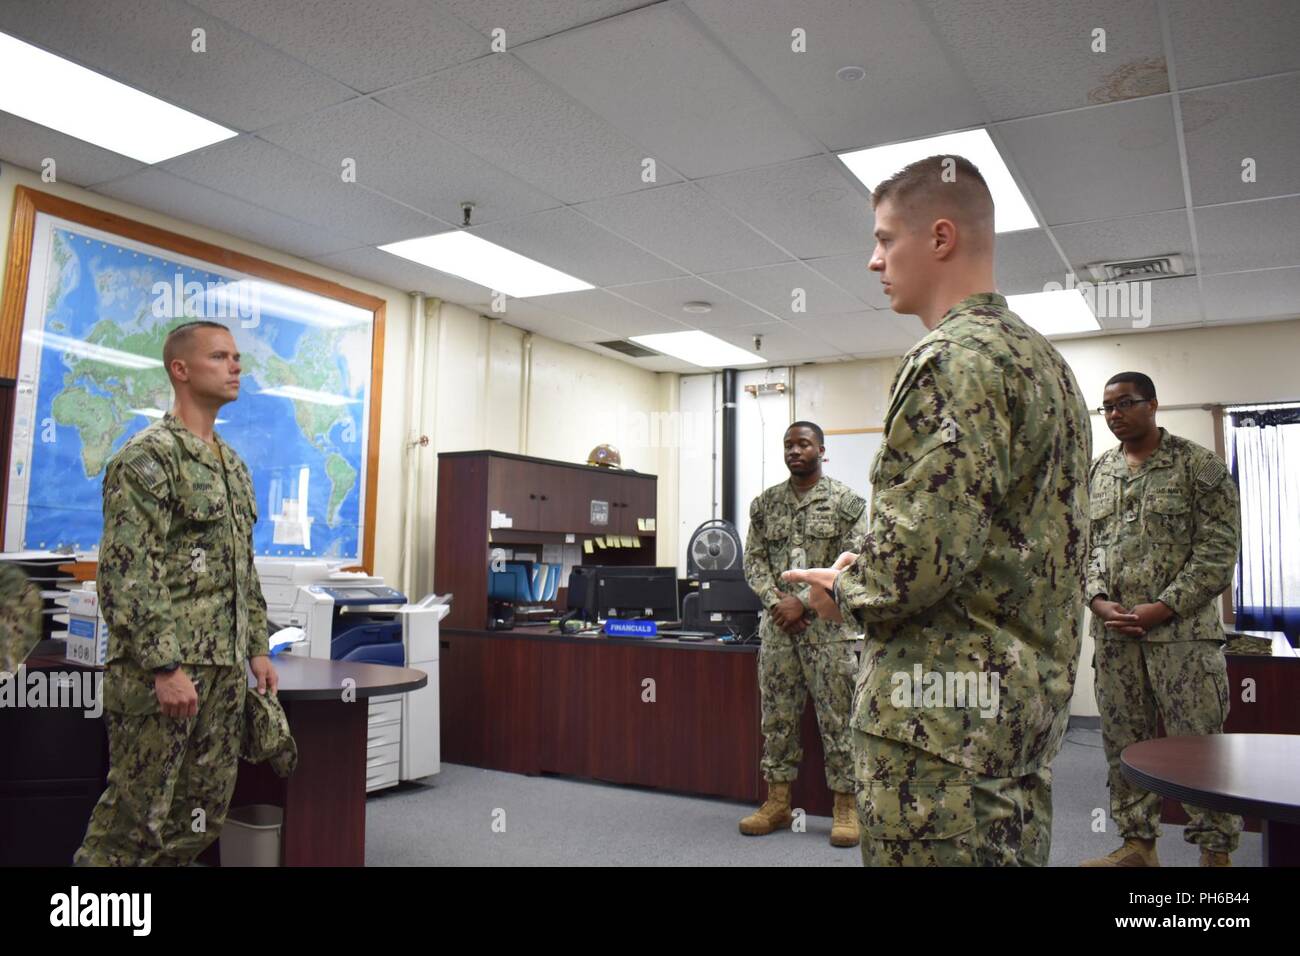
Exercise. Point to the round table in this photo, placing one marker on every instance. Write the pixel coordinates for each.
(1251, 774)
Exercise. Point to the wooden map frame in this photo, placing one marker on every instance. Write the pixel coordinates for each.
(29, 202)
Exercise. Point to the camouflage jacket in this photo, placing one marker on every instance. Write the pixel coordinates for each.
(1169, 532)
(976, 557)
(786, 532)
(20, 617)
(176, 574)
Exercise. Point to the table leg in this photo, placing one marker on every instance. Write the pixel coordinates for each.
(1281, 844)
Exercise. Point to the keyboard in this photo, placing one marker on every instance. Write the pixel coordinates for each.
(688, 635)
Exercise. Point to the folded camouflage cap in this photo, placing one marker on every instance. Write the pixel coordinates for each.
(266, 734)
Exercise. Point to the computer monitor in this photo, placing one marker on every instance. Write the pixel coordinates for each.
(723, 592)
(637, 592)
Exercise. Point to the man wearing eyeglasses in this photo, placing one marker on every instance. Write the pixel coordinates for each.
(1165, 532)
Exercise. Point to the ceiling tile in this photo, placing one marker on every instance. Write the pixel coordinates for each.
(1099, 163)
(75, 161)
(1026, 57)
(781, 342)
(266, 175)
(1253, 235)
(167, 194)
(875, 331)
(809, 207)
(668, 297)
(407, 162)
(851, 273)
(1025, 261)
(401, 39)
(500, 110)
(1272, 294)
(781, 289)
(1215, 41)
(527, 315)
(1133, 237)
(239, 82)
(665, 85)
(1226, 125)
(1153, 304)
(909, 89)
(523, 22)
(607, 311)
(683, 224)
(564, 240)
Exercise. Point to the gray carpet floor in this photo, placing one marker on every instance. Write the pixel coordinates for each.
(465, 816)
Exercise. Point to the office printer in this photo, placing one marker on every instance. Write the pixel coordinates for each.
(353, 616)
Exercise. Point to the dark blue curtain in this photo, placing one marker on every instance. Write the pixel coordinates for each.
(1264, 453)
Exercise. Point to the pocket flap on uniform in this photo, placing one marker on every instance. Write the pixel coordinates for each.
(1099, 508)
(1167, 504)
(821, 527)
(778, 528)
(921, 812)
(203, 507)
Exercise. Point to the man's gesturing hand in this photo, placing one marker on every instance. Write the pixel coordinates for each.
(819, 595)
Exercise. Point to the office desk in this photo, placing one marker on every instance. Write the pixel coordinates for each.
(1254, 774)
(54, 766)
(531, 702)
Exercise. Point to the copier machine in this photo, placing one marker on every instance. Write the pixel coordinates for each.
(353, 616)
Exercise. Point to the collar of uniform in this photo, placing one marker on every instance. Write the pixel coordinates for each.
(195, 446)
(995, 299)
(816, 493)
(1162, 457)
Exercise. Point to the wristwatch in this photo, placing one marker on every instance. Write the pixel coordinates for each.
(171, 668)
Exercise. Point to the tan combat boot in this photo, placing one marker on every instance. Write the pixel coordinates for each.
(844, 824)
(1214, 858)
(772, 815)
(1134, 852)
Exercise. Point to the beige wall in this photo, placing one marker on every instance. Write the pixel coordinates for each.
(472, 396)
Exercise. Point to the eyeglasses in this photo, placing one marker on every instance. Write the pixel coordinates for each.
(1124, 404)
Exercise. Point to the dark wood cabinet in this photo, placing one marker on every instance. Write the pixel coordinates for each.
(545, 501)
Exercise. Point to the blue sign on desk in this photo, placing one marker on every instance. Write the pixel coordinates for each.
(616, 628)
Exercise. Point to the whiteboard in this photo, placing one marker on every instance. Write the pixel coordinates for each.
(848, 459)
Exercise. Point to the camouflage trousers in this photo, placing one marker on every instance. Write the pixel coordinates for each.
(787, 671)
(1183, 683)
(163, 769)
(918, 810)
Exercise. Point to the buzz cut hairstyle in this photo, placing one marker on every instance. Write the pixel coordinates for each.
(179, 338)
(816, 430)
(1145, 387)
(943, 185)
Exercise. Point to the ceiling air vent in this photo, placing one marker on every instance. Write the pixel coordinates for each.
(628, 348)
(1129, 270)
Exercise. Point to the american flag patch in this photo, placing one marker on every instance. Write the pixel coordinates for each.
(1210, 473)
(146, 470)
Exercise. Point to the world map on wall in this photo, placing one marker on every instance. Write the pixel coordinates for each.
(91, 376)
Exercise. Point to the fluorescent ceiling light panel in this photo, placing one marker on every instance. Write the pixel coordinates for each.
(466, 255)
(1063, 312)
(698, 348)
(1011, 210)
(63, 96)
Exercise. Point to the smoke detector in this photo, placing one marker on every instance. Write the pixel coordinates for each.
(1129, 270)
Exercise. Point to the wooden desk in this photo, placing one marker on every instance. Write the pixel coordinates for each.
(48, 799)
(1255, 774)
(1275, 684)
(532, 702)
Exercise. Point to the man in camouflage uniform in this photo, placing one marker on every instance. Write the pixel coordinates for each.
(20, 618)
(1165, 536)
(805, 521)
(186, 617)
(966, 584)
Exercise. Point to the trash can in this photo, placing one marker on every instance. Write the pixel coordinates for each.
(251, 836)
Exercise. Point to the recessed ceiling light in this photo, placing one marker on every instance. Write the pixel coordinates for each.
(466, 255)
(698, 348)
(1060, 312)
(63, 96)
(698, 308)
(1011, 210)
(851, 74)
